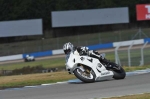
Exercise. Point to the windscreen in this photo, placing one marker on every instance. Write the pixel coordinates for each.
(67, 57)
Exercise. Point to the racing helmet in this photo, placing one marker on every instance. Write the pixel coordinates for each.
(68, 47)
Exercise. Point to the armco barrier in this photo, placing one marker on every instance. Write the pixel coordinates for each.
(147, 39)
(127, 43)
(101, 46)
(39, 54)
(60, 51)
(11, 57)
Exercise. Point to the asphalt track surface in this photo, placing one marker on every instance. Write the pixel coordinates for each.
(134, 84)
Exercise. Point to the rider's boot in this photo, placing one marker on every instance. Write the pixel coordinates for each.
(105, 62)
(108, 64)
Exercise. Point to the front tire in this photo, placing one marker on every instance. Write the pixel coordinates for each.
(87, 77)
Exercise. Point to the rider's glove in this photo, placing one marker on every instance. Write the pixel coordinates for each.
(102, 56)
(84, 50)
(90, 52)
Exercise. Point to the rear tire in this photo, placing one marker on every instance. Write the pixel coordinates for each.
(119, 74)
(84, 78)
(25, 60)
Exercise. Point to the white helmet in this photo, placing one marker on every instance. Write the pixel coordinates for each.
(68, 47)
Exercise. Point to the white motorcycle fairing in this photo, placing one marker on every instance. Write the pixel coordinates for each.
(99, 69)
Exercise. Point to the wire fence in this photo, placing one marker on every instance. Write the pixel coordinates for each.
(133, 55)
(78, 40)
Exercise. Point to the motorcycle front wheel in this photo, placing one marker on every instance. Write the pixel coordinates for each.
(85, 74)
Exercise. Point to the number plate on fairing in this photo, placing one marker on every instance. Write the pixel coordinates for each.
(100, 67)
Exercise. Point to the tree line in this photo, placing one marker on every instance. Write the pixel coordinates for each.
(32, 9)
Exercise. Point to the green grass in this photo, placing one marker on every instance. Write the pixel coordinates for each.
(138, 96)
(33, 79)
(133, 68)
(47, 63)
(40, 78)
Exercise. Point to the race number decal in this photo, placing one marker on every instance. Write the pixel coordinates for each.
(91, 60)
(82, 58)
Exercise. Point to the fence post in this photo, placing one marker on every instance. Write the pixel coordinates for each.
(140, 32)
(42, 44)
(129, 57)
(78, 39)
(117, 60)
(57, 43)
(99, 38)
(142, 55)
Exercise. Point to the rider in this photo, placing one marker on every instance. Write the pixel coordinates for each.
(82, 50)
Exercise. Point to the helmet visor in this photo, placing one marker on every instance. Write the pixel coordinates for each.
(67, 51)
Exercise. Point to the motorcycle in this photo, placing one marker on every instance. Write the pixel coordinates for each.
(89, 69)
(29, 58)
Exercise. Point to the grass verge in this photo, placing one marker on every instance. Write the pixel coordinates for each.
(138, 96)
(33, 79)
(46, 63)
(37, 79)
(133, 68)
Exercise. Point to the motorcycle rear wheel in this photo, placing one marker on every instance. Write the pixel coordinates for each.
(86, 75)
(119, 74)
